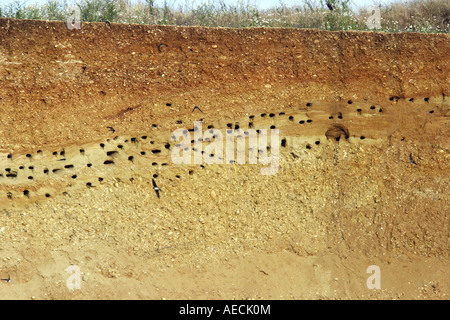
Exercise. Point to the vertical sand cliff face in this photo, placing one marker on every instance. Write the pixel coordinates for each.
(88, 118)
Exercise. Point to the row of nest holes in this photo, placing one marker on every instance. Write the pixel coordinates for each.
(308, 104)
(83, 151)
(426, 99)
(13, 174)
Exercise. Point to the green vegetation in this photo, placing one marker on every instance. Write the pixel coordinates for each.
(429, 16)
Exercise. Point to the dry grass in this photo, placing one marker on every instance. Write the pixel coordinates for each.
(429, 16)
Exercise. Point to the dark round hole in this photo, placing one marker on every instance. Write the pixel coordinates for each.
(308, 146)
(301, 122)
(432, 111)
(271, 115)
(309, 120)
(362, 137)
(349, 101)
(317, 142)
(372, 108)
(74, 176)
(309, 104)
(47, 195)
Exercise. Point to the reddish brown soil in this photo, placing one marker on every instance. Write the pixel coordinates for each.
(222, 231)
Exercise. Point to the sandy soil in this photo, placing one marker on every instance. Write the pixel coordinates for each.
(362, 177)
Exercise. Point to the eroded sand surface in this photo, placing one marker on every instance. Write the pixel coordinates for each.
(362, 178)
